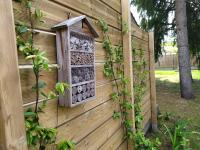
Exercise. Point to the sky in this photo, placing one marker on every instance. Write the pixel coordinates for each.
(135, 13)
(137, 18)
(167, 38)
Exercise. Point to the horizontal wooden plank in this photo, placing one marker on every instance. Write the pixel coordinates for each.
(87, 7)
(139, 44)
(66, 114)
(115, 4)
(47, 42)
(146, 107)
(138, 32)
(49, 118)
(123, 146)
(83, 125)
(54, 14)
(94, 140)
(146, 118)
(146, 97)
(28, 80)
(114, 142)
(146, 59)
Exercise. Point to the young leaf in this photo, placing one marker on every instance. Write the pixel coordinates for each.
(41, 85)
(116, 115)
(44, 94)
(29, 114)
(60, 87)
(66, 145)
(114, 96)
(52, 95)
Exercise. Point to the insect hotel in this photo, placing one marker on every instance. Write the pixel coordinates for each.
(76, 60)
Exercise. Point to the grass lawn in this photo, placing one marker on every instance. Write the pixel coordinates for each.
(169, 100)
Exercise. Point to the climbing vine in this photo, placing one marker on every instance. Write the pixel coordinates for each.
(140, 75)
(38, 137)
(114, 70)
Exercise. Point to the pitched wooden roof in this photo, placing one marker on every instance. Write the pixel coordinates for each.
(74, 20)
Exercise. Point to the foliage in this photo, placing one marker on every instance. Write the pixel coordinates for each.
(66, 145)
(140, 74)
(156, 15)
(178, 136)
(37, 135)
(124, 27)
(143, 143)
(113, 69)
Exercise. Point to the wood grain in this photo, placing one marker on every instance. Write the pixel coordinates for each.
(127, 54)
(139, 43)
(47, 42)
(52, 118)
(114, 142)
(114, 4)
(54, 14)
(28, 80)
(139, 33)
(12, 131)
(88, 8)
(90, 124)
(152, 82)
(123, 146)
(81, 126)
(99, 136)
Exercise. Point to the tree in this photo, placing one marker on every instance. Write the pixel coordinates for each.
(155, 16)
(193, 24)
(183, 49)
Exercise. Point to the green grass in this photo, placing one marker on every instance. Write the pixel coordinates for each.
(169, 100)
(173, 75)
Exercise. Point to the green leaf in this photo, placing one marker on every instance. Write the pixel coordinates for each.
(103, 25)
(44, 94)
(124, 28)
(46, 66)
(29, 114)
(127, 105)
(31, 57)
(116, 115)
(20, 29)
(29, 4)
(39, 15)
(66, 145)
(114, 96)
(124, 80)
(60, 87)
(41, 85)
(52, 95)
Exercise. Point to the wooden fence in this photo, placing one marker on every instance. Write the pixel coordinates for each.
(89, 125)
(142, 41)
(170, 61)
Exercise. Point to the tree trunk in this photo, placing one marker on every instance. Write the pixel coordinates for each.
(183, 50)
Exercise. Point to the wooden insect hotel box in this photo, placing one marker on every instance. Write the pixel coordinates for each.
(76, 60)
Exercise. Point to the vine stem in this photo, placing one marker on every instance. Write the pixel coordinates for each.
(36, 72)
(117, 86)
(37, 91)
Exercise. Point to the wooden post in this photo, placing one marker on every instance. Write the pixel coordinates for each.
(152, 82)
(12, 131)
(127, 52)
